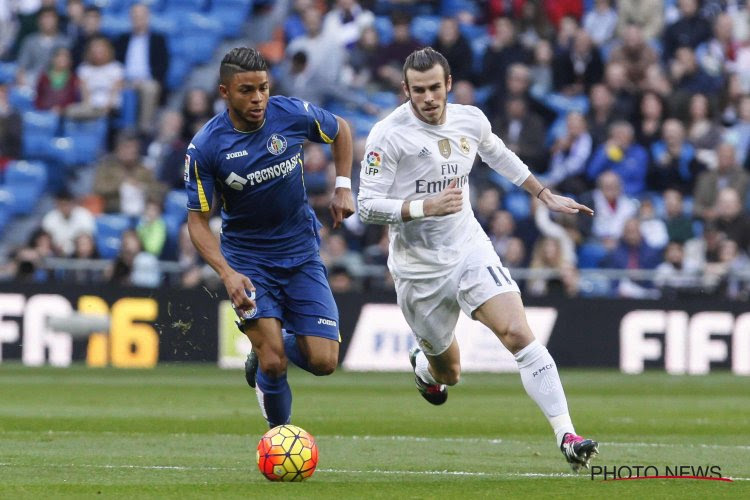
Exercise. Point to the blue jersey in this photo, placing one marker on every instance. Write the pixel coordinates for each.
(259, 178)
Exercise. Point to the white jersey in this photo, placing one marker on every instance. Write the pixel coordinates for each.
(407, 159)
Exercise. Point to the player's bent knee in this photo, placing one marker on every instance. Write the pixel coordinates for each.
(273, 365)
(517, 336)
(322, 367)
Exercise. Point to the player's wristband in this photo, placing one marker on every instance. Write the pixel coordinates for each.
(416, 209)
(343, 182)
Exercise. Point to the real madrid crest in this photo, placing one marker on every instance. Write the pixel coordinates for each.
(464, 142)
(276, 144)
(444, 146)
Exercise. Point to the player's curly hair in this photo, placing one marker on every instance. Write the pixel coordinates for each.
(239, 60)
(424, 59)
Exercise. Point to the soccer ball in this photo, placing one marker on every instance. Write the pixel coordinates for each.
(287, 453)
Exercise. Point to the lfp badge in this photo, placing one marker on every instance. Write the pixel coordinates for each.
(276, 144)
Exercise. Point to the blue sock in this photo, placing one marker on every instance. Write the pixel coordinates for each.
(275, 398)
(291, 349)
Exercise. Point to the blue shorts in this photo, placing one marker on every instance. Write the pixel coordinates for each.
(298, 296)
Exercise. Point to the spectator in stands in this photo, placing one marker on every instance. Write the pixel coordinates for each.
(58, 86)
(731, 219)
(717, 55)
(346, 20)
(463, 92)
(361, 65)
(101, 80)
(673, 161)
(503, 51)
(377, 253)
(84, 247)
(546, 255)
(653, 228)
(727, 173)
(570, 153)
(66, 222)
(635, 54)
(488, 202)
(456, 49)
(122, 267)
(623, 156)
(648, 123)
(575, 70)
(657, 81)
(151, 228)
(633, 253)
(541, 70)
(533, 25)
(335, 252)
(600, 22)
(515, 253)
(8, 28)
(37, 48)
(90, 28)
(731, 96)
(703, 132)
(611, 209)
(616, 80)
(739, 133)
(293, 25)
(324, 55)
(146, 60)
(566, 32)
(392, 56)
(166, 153)
(679, 224)
(196, 111)
(11, 128)
(502, 227)
(688, 78)
(672, 276)
(557, 10)
(518, 85)
(123, 181)
(189, 260)
(690, 30)
(340, 279)
(601, 113)
(523, 132)
(72, 22)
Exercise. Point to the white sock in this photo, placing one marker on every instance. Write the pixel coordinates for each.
(423, 369)
(542, 382)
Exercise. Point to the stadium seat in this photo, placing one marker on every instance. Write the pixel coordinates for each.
(109, 229)
(177, 72)
(175, 204)
(25, 182)
(22, 98)
(115, 24)
(518, 204)
(590, 255)
(89, 138)
(184, 5)
(231, 15)
(451, 8)
(8, 72)
(164, 24)
(424, 28)
(25, 172)
(384, 27)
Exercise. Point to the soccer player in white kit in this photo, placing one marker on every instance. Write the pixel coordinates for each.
(415, 178)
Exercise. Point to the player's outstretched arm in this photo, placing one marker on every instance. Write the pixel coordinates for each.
(208, 246)
(554, 202)
(342, 204)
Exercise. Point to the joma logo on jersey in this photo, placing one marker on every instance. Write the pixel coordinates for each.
(329, 322)
(236, 154)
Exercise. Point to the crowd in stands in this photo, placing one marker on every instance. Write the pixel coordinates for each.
(637, 108)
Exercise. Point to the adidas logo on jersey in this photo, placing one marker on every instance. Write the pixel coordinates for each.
(424, 153)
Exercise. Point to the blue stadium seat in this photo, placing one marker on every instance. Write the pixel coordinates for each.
(109, 229)
(383, 100)
(8, 72)
(451, 8)
(6, 207)
(184, 5)
(129, 108)
(590, 255)
(518, 204)
(178, 70)
(175, 204)
(115, 24)
(474, 32)
(40, 122)
(25, 172)
(164, 24)
(231, 15)
(384, 27)
(424, 28)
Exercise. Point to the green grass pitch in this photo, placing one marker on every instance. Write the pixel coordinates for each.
(190, 431)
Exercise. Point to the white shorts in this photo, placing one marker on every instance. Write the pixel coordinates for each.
(431, 306)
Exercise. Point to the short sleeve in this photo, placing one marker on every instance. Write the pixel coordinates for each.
(199, 180)
(322, 125)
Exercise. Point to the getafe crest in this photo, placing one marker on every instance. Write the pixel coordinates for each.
(464, 142)
(276, 144)
(444, 146)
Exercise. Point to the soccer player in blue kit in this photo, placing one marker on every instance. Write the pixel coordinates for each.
(251, 156)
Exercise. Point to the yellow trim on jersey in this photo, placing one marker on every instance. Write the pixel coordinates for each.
(201, 193)
(323, 136)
